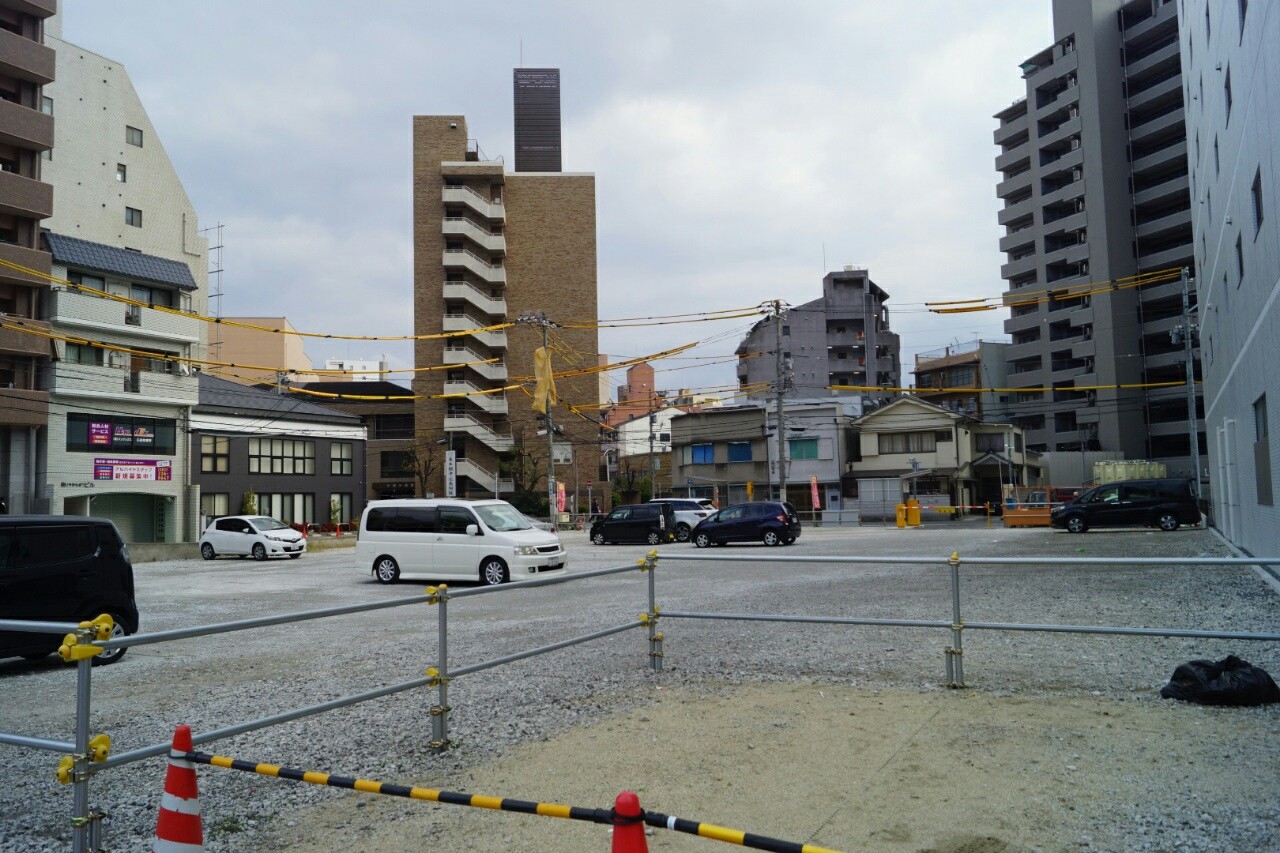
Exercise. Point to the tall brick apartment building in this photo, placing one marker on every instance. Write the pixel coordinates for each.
(488, 246)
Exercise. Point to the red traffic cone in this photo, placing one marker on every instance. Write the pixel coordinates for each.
(628, 825)
(179, 828)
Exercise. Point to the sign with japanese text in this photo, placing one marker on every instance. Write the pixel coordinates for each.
(99, 433)
(133, 469)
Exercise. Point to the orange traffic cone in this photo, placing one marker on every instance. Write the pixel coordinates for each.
(179, 829)
(628, 825)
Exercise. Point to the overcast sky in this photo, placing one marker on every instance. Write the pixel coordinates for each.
(740, 149)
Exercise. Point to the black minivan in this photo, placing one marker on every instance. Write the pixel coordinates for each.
(770, 522)
(1165, 504)
(652, 523)
(61, 568)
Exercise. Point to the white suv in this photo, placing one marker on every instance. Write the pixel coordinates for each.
(689, 511)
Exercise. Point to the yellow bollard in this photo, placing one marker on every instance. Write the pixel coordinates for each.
(913, 513)
(902, 515)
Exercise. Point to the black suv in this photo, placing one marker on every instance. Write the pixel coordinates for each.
(770, 522)
(59, 568)
(653, 523)
(1131, 503)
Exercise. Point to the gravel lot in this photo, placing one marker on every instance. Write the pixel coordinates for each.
(844, 737)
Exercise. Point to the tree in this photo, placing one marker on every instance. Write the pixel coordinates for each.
(249, 502)
(422, 459)
(525, 467)
(630, 484)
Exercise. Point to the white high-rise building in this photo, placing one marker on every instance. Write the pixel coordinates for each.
(122, 225)
(1232, 83)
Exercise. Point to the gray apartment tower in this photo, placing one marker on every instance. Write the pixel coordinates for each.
(1093, 166)
(537, 104)
(841, 338)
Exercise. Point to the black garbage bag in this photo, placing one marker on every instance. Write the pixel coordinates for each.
(1230, 681)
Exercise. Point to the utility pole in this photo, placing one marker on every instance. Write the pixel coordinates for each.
(541, 320)
(779, 390)
(653, 477)
(1187, 331)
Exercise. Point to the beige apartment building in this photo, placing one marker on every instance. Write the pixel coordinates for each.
(260, 355)
(490, 245)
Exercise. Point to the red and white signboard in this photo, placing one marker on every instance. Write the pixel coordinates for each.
(813, 492)
(133, 469)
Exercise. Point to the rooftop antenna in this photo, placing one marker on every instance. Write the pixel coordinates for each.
(824, 257)
(522, 53)
(214, 291)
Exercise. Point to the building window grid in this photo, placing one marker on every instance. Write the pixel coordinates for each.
(122, 173)
(289, 507)
(802, 448)
(133, 136)
(702, 454)
(1226, 88)
(1255, 193)
(215, 454)
(1239, 259)
(907, 442)
(343, 502)
(215, 504)
(340, 458)
(739, 451)
(133, 216)
(282, 456)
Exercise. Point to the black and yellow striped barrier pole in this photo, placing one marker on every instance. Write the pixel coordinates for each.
(608, 817)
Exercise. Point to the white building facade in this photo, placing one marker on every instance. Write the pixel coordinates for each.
(1232, 78)
(121, 386)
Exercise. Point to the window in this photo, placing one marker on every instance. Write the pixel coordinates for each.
(122, 172)
(340, 458)
(786, 330)
(214, 504)
(133, 216)
(702, 454)
(1256, 193)
(1239, 258)
(1262, 451)
(92, 282)
(281, 456)
(989, 442)
(739, 451)
(907, 442)
(402, 520)
(1217, 163)
(98, 433)
(133, 136)
(454, 519)
(83, 354)
(151, 295)
(215, 454)
(393, 426)
(1208, 27)
(46, 104)
(296, 507)
(1243, 6)
(342, 501)
(803, 448)
(1226, 88)
(62, 543)
(394, 463)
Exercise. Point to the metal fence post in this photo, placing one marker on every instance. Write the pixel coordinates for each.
(655, 636)
(955, 652)
(80, 768)
(440, 673)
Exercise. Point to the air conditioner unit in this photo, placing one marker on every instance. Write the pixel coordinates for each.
(184, 369)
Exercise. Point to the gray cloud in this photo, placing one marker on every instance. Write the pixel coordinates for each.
(731, 142)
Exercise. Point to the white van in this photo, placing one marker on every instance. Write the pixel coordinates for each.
(444, 539)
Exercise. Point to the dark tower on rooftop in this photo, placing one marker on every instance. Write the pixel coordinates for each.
(537, 103)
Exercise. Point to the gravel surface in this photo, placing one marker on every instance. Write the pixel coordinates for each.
(1172, 776)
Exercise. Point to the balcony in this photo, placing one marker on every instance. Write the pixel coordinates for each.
(1010, 129)
(483, 478)
(1019, 156)
(464, 322)
(480, 266)
(142, 380)
(1168, 53)
(495, 371)
(492, 210)
(475, 297)
(1157, 124)
(1017, 210)
(1018, 240)
(1018, 267)
(1061, 133)
(1014, 185)
(24, 407)
(25, 197)
(1161, 157)
(1177, 256)
(1154, 92)
(24, 127)
(457, 226)
(495, 403)
(480, 431)
(26, 59)
(22, 343)
(94, 315)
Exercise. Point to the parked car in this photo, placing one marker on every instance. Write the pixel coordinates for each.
(57, 568)
(257, 536)
(770, 522)
(489, 541)
(1166, 504)
(652, 523)
(689, 511)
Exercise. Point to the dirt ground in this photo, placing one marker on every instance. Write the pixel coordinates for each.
(843, 767)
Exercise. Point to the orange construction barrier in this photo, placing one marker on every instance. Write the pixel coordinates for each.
(628, 825)
(179, 828)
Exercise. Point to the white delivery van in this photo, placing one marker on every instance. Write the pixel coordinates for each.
(446, 539)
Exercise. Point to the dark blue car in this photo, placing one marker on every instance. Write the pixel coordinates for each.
(770, 522)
